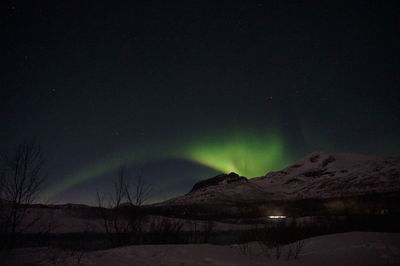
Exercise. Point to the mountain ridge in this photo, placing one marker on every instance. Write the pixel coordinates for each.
(317, 175)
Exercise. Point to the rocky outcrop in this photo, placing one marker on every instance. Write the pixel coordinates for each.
(219, 179)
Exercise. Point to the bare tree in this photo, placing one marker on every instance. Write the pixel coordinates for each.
(21, 177)
(119, 208)
(125, 191)
(114, 224)
(142, 191)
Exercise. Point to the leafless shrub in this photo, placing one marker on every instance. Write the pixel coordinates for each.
(193, 231)
(142, 191)
(62, 256)
(119, 209)
(298, 248)
(278, 251)
(165, 230)
(21, 177)
(273, 238)
(243, 248)
(266, 250)
(292, 251)
(199, 231)
(208, 227)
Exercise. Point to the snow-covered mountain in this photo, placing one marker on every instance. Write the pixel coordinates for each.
(318, 175)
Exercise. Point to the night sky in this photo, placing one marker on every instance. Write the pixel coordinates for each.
(184, 90)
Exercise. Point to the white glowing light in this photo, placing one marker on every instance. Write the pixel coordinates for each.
(277, 217)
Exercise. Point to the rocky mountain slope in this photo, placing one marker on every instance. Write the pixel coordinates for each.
(318, 175)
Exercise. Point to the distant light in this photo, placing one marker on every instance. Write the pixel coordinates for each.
(277, 217)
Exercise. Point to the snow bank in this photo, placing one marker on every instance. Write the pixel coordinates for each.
(354, 248)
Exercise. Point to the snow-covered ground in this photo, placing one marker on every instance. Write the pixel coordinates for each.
(354, 248)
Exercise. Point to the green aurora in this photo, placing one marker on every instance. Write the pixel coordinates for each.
(247, 153)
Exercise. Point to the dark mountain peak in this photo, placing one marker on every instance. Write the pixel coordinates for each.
(222, 178)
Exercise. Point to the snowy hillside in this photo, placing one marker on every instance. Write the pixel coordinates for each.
(318, 175)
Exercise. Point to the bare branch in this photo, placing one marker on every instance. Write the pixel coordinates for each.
(21, 177)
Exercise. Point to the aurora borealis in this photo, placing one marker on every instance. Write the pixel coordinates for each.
(180, 92)
(246, 153)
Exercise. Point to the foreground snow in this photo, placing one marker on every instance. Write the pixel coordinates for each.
(354, 248)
